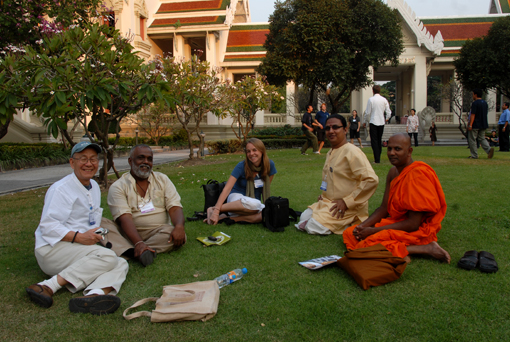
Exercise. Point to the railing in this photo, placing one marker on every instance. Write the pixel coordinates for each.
(275, 119)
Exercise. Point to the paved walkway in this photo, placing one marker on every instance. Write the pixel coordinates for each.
(21, 180)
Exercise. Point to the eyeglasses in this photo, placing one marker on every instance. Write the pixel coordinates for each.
(85, 160)
(334, 127)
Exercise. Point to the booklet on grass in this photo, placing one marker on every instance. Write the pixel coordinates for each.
(317, 263)
(218, 238)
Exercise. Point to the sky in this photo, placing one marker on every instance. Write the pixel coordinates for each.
(261, 9)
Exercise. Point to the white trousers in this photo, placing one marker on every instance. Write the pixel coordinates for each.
(83, 266)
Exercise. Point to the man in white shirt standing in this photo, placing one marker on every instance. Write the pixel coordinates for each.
(377, 106)
(66, 241)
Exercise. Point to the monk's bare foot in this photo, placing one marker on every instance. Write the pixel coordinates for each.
(439, 253)
(407, 259)
(433, 249)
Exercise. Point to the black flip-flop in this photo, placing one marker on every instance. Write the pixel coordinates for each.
(469, 260)
(194, 218)
(487, 262)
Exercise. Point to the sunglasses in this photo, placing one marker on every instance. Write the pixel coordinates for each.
(334, 127)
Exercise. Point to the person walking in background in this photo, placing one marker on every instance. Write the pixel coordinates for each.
(477, 125)
(321, 117)
(377, 107)
(504, 143)
(353, 127)
(433, 131)
(412, 126)
(307, 128)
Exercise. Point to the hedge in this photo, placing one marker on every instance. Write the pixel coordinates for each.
(17, 156)
(233, 145)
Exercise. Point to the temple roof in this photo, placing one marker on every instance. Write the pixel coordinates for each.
(186, 6)
(210, 20)
(243, 38)
(456, 30)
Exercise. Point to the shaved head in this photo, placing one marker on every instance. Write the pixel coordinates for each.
(400, 150)
(404, 138)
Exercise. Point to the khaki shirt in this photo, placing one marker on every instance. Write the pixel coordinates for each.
(123, 198)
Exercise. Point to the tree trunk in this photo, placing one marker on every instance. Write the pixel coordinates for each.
(4, 128)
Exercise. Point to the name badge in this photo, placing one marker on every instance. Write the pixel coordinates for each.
(92, 219)
(324, 186)
(353, 120)
(147, 208)
(259, 183)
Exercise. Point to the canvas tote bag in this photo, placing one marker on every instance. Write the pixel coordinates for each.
(186, 302)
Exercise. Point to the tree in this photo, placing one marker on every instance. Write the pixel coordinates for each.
(248, 96)
(23, 22)
(459, 99)
(485, 62)
(155, 120)
(330, 43)
(195, 88)
(87, 72)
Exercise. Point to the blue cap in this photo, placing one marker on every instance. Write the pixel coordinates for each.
(245, 270)
(83, 145)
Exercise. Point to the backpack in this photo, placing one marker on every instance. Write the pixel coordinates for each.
(212, 191)
(275, 215)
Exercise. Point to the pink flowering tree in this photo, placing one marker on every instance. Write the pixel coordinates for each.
(23, 22)
(195, 87)
(247, 97)
(89, 76)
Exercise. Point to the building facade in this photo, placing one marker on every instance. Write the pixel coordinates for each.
(223, 30)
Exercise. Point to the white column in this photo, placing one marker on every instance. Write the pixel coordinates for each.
(259, 119)
(491, 100)
(419, 90)
(179, 46)
(291, 102)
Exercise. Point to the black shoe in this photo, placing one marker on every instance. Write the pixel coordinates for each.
(95, 304)
(469, 260)
(487, 263)
(147, 258)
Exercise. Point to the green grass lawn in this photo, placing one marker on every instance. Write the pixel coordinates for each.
(279, 300)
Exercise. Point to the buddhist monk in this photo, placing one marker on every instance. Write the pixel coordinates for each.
(413, 207)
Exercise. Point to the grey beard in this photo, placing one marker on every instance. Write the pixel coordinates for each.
(142, 174)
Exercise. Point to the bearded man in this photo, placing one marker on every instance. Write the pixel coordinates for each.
(146, 209)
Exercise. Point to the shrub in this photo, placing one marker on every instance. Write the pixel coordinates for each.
(279, 131)
(223, 146)
(17, 156)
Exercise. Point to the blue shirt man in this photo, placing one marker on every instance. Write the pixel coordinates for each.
(321, 118)
(504, 141)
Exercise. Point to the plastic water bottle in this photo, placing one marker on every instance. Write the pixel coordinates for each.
(230, 277)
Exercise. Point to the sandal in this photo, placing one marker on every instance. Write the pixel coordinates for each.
(469, 260)
(488, 263)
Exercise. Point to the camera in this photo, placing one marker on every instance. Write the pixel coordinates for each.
(102, 231)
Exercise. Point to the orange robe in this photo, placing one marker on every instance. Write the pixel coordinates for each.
(417, 188)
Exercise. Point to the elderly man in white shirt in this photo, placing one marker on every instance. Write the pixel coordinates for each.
(377, 106)
(66, 241)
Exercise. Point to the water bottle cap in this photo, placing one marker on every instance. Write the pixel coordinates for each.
(245, 270)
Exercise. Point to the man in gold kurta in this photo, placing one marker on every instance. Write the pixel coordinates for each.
(348, 181)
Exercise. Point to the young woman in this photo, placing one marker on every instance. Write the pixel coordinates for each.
(433, 131)
(354, 126)
(248, 183)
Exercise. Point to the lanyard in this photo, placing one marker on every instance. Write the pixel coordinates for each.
(92, 219)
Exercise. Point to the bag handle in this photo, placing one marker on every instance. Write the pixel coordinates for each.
(140, 313)
(167, 298)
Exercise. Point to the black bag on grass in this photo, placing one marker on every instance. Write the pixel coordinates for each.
(275, 215)
(212, 191)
